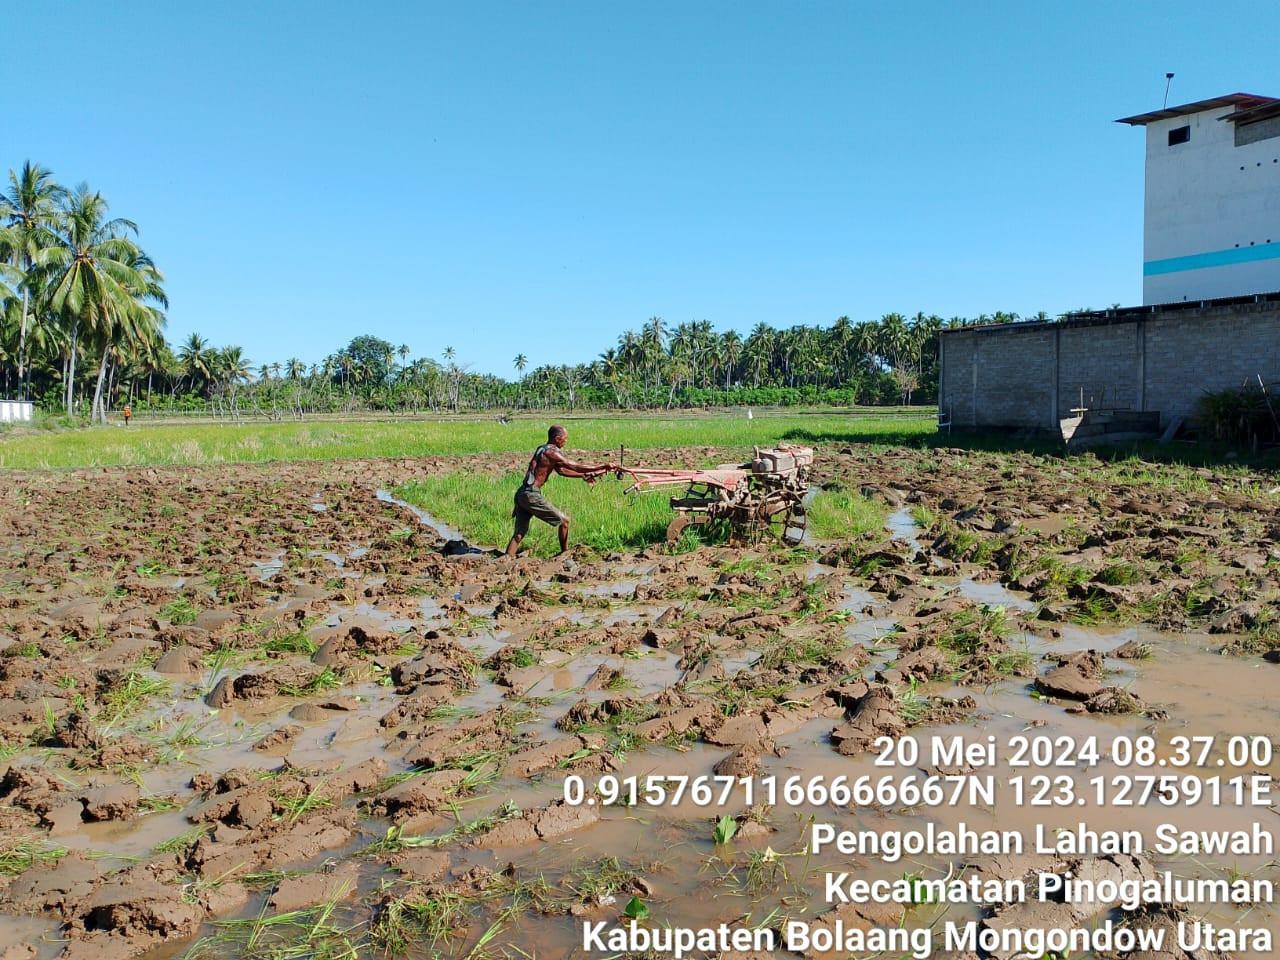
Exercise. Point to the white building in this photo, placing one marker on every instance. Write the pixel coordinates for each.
(1212, 209)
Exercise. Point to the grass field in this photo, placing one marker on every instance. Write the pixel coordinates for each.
(603, 516)
(479, 505)
(258, 441)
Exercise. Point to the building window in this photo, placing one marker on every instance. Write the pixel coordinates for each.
(1179, 135)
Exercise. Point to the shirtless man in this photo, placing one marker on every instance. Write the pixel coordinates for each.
(530, 502)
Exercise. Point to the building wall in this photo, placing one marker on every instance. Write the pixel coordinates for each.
(1212, 209)
(15, 411)
(1032, 375)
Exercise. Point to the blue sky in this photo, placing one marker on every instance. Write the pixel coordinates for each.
(536, 177)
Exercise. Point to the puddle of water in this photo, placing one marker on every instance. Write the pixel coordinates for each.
(655, 671)
(266, 569)
(40, 933)
(992, 594)
(616, 588)
(903, 527)
(442, 529)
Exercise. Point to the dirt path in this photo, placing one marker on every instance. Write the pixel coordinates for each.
(263, 693)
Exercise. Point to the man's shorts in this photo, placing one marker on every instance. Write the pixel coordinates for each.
(531, 503)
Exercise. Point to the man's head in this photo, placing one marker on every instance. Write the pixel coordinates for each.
(557, 435)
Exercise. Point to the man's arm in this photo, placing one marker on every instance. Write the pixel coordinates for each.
(567, 468)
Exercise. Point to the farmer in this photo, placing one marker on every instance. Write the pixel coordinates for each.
(128, 412)
(530, 502)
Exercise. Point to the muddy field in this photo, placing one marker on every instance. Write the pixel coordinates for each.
(265, 711)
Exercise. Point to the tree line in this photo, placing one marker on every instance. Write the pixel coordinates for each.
(82, 315)
(74, 285)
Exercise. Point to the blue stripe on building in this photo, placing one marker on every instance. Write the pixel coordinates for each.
(1217, 258)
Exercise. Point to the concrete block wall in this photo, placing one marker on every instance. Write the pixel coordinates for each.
(998, 381)
(1031, 375)
(1103, 363)
(1214, 350)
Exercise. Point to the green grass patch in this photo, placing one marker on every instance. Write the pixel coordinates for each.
(602, 517)
(843, 513)
(257, 442)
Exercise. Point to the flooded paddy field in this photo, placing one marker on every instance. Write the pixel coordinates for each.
(268, 710)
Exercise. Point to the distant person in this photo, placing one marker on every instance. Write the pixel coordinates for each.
(530, 502)
(127, 412)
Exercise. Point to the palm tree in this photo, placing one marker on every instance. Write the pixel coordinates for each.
(30, 209)
(653, 349)
(232, 368)
(195, 359)
(520, 362)
(759, 350)
(731, 344)
(92, 277)
(134, 323)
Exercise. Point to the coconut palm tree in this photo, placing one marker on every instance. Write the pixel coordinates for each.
(731, 346)
(30, 210)
(91, 274)
(232, 368)
(134, 323)
(196, 359)
(521, 362)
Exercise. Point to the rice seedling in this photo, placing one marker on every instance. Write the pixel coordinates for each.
(128, 697)
(326, 679)
(396, 839)
(420, 918)
(309, 934)
(219, 662)
(1121, 574)
(913, 706)
(28, 649)
(180, 611)
(299, 806)
(598, 881)
(19, 854)
(296, 643)
(1011, 662)
(182, 844)
(153, 803)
